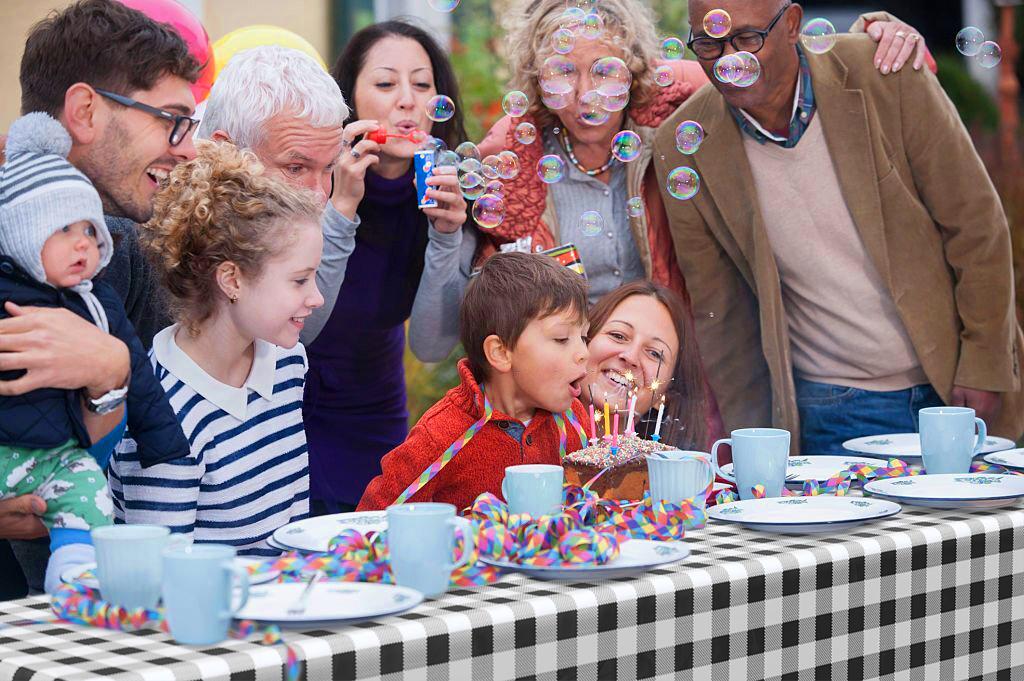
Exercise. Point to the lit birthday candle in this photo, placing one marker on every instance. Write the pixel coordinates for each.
(615, 430)
(657, 425)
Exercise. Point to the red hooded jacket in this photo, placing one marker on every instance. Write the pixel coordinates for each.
(480, 466)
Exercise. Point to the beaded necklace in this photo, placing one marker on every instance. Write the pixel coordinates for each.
(563, 138)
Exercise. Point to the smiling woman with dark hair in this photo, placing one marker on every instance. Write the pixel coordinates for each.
(355, 406)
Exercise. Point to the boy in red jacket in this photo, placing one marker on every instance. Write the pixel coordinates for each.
(522, 323)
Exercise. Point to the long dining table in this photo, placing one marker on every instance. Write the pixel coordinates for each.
(926, 594)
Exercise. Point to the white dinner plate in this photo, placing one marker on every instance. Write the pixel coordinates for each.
(85, 574)
(951, 490)
(1010, 458)
(908, 445)
(800, 469)
(635, 555)
(330, 602)
(314, 534)
(822, 513)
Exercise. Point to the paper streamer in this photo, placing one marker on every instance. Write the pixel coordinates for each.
(79, 604)
(838, 485)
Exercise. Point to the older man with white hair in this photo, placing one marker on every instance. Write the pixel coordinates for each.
(280, 104)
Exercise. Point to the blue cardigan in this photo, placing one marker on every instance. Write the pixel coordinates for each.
(48, 417)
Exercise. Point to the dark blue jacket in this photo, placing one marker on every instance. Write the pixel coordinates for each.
(48, 417)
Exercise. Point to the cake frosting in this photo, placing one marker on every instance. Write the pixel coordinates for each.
(626, 477)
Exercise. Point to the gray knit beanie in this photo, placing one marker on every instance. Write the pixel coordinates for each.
(41, 193)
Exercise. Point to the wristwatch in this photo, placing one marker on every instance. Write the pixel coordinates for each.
(108, 402)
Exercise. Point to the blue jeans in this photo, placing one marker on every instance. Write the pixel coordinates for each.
(832, 414)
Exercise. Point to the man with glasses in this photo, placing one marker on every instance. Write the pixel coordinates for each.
(846, 255)
(119, 83)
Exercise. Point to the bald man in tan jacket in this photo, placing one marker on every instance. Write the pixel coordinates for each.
(846, 255)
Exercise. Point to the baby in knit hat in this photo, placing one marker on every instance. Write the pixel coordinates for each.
(53, 242)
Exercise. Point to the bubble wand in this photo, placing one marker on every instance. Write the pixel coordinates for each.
(381, 135)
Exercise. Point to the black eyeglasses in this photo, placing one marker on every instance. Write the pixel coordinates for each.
(747, 41)
(182, 124)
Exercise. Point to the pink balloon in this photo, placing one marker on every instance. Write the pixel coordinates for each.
(188, 26)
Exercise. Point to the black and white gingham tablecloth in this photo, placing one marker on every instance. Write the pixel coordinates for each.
(924, 595)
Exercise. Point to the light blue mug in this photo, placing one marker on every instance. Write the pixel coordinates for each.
(759, 457)
(421, 541)
(129, 566)
(198, 585)
(533, 488)
(677, 475)
(948, 442)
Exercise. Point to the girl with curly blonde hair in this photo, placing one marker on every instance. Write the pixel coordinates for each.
(238, 252)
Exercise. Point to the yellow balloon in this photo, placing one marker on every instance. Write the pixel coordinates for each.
(254, 36)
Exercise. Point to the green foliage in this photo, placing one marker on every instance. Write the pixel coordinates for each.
(482, 73)
(427, 383)
(976, 107)
(672, 17)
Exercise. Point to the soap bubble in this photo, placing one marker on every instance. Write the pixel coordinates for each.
(585, 5)
(728, 68)
(689, 135)
(612, 78)
(664, 75)
(515, 103)
(717, 23)
(572, 18)
(489, 211)
(750, 70)
(508, 164)
(440, 108)
(495, 187)
(555, 102)
(474, 192)
(969, 40)
(591, 108)
(818, 35)
(490, 167)
(990, 54)
(557, 78)
(468, 150)
(672, 49)
(591, 223)
(626, 146)
(443, 5)
(550, 168)
(470, 179)
(635, 206)
(446, 158)
(683, 183)
(526, 133)
(469, 165)
(593, 26)
(434, 144)
(563, 40)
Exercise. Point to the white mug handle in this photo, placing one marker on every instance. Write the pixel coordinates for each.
(982, 435)
(714, 458)
(243, 580)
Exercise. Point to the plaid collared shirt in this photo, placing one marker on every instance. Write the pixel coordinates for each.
(803, 112)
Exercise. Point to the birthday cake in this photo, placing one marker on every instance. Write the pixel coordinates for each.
(626, 477)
